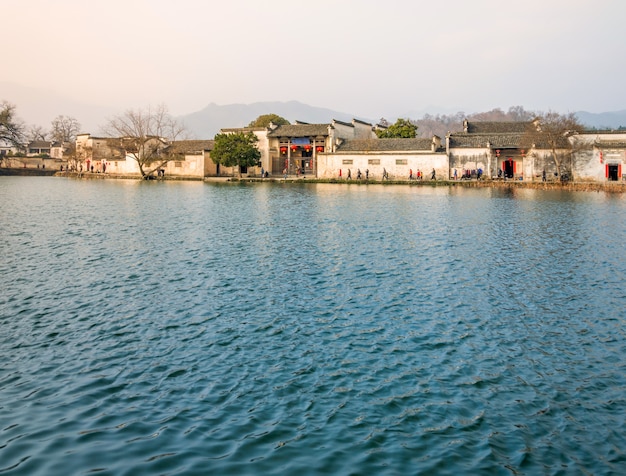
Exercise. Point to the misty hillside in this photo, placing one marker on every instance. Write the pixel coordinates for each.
(603, 120)
(208, 121)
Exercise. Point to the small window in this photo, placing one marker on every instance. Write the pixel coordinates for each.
(373, 161)
(178, 163)
(347, 161)
(401, 162)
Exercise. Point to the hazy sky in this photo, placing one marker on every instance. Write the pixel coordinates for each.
(370, 58)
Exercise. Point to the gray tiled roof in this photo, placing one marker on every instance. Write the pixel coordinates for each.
(193, 146)
(385, 145)
(39, 144)
(499, 141)
(615, 144)
(495, 140)
(605, 131)
(300, 130)
(482, 127)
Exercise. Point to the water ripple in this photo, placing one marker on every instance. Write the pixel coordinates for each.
(310, 329)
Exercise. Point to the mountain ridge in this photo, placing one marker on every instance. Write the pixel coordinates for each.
(212, 118)
(39, 107)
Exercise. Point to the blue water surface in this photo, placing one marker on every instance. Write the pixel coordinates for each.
(194, 328)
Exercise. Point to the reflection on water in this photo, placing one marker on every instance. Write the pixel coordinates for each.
(186, 328)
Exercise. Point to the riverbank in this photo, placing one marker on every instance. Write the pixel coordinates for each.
(610, 187)
(27, 172)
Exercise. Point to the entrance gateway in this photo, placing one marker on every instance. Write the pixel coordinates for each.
(613, 171)
(508, 167)
(297, 156)
(509, 160)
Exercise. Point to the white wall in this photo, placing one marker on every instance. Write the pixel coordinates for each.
(330, 164)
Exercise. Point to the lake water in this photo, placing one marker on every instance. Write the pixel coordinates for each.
(193, 328)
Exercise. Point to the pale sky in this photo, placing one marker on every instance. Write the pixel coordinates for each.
(369, 58)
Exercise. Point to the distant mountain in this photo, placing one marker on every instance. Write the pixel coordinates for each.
(204, 124)
(40, 107)
(603, 120)
(207, 122)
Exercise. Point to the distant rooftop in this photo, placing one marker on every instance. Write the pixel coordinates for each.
(385, 145)
(300, 130)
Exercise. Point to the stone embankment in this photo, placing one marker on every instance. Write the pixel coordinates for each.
(615, 187)
(611, 187)
(27, 172)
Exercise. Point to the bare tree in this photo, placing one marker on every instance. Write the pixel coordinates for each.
(11, 128)
(146, 136)
(36, 133)
(552, 131)
(64, 129)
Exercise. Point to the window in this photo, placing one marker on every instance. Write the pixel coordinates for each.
(401, 162)
(178, 163)
(373, 161)
(347, 161)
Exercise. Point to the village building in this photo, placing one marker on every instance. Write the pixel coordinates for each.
(38, 148)
(193, 159)
(492, 149)
(296, 148)
(46, 149)
(487, 150)
(107, 155)
(93, 154)
(500, 150)
(392, 159)
(35, 154)
(7, 149)
(600, 156)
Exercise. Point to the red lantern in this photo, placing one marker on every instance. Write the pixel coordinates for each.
(283, 150)
(294, 148)
(319, 148)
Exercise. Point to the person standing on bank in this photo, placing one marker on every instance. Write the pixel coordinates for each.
(433, 175)
(349, 175)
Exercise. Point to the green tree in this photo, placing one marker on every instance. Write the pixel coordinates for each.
(265, 119)
(238, 149)
(403, 128)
